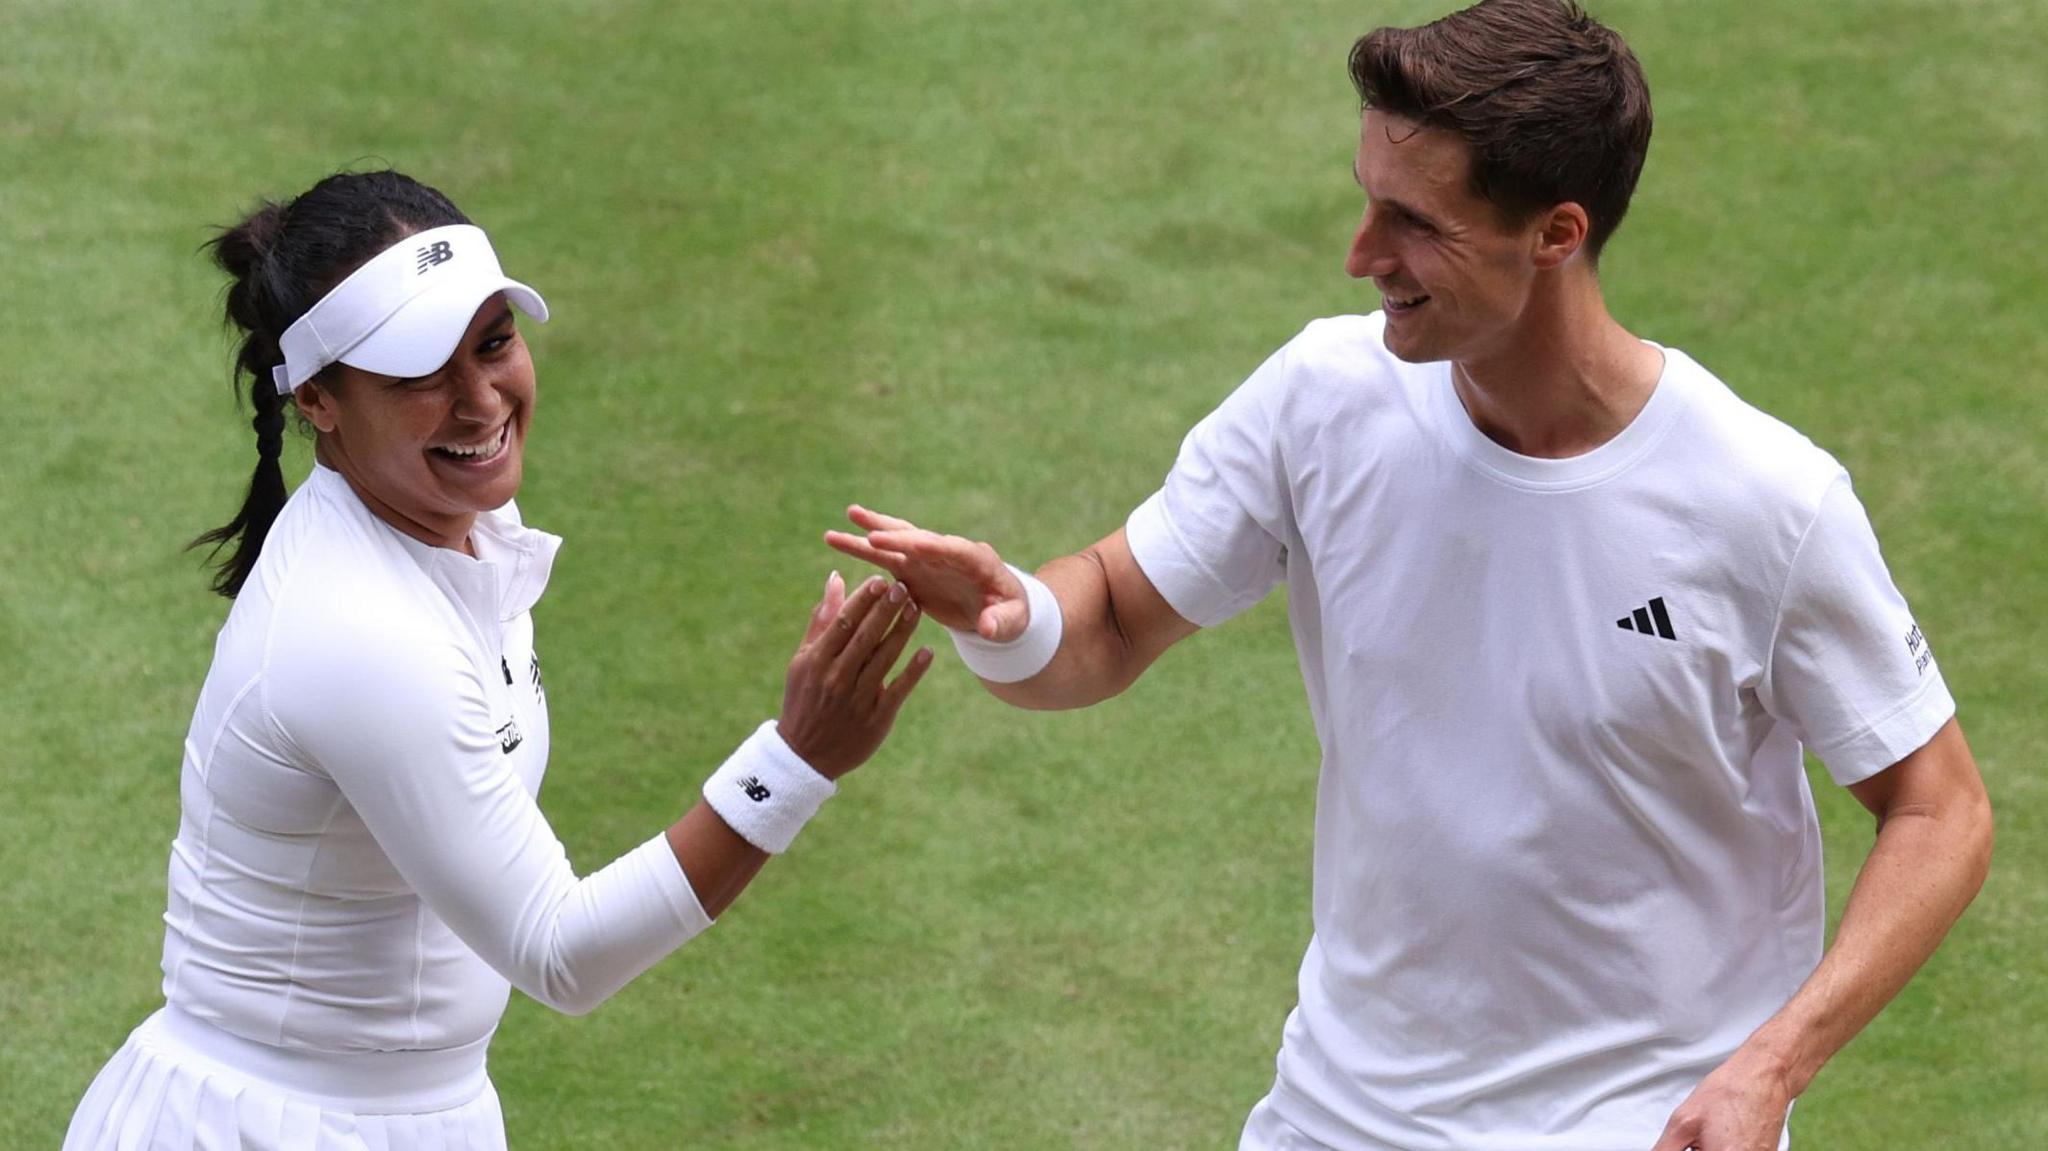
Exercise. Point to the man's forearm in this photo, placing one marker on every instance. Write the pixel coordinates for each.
(1096, 656)
(1927, 864)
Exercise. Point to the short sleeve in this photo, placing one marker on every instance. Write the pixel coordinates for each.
(1849, 669)
(1212, 539)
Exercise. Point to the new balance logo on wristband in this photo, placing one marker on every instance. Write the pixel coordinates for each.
(755, 789)
(437, 252)
(1650, 619)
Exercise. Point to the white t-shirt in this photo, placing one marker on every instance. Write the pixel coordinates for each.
(360, 864)
(1565, 855)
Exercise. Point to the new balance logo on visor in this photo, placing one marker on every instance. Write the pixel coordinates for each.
(755, 789)
(437, 252)
(1650, 619)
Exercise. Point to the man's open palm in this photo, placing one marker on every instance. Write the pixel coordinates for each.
(959, 582)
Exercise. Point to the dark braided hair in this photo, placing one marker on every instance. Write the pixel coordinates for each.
(282, 259)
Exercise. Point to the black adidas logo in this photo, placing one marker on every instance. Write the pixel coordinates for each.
(1650, 619)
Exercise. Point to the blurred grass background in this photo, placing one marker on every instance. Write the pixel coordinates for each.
(981, 264)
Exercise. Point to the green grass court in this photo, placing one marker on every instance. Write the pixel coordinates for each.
(983, 265)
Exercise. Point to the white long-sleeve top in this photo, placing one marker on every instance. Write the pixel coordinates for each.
(360, 863)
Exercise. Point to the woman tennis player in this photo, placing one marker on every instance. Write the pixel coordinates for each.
(360, 871)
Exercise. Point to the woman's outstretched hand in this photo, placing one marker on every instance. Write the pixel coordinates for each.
(838, 702)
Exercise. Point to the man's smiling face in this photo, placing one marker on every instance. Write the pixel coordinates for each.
(1454, 274)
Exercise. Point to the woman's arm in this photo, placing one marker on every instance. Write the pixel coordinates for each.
(407, 733)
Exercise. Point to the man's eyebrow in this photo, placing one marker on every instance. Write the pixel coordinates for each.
(1393, 205)
(504, 316)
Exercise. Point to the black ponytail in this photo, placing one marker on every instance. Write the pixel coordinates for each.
(281, 260)
(243, 252)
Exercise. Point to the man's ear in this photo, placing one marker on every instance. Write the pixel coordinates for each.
(1561, 236)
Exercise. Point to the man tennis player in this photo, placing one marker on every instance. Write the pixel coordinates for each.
(1567, 610)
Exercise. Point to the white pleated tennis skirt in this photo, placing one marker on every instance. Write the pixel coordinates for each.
(181, 1084)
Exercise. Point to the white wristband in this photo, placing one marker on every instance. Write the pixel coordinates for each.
(1025, 656)
(766, 792)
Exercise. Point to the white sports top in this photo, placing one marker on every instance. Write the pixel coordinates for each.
(1566, 859)
(360, 865)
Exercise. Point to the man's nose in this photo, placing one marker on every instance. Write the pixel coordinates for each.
(1370, 254)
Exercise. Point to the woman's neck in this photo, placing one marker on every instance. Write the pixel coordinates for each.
(442, 531)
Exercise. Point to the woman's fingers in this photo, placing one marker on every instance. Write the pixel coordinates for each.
(884, 659)
(827, 610)
(850, 617)
(894, 695)
(873, 627)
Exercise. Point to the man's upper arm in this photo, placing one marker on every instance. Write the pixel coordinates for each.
(1849, 668)
(1116, 624)
(1147, 623)
(1209, 544)
(1938, 779)
(1212, 541)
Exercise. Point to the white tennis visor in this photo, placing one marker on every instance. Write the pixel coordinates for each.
(402, 313)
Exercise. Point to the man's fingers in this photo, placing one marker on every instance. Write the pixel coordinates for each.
(875, 521)
(1004, 621)
(859, 548)
(850, 617)
(1678, 1135)
(962, 555)
(894, 695)
(892, 645)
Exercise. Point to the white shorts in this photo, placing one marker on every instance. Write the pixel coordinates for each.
(179, 1084)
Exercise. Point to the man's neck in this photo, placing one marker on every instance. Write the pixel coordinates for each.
(1566, 379)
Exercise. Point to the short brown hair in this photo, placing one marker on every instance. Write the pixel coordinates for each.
(1551, 102)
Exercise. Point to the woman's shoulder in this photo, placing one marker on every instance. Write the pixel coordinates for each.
(343, 656)
(340, 604)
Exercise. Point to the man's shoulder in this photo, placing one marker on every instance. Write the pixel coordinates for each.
(1348, 346)
(1338, 369)
(1750, 453)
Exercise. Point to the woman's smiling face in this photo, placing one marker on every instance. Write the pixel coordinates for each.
(427, 454)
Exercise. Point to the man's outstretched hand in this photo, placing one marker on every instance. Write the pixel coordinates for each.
(958, 582)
